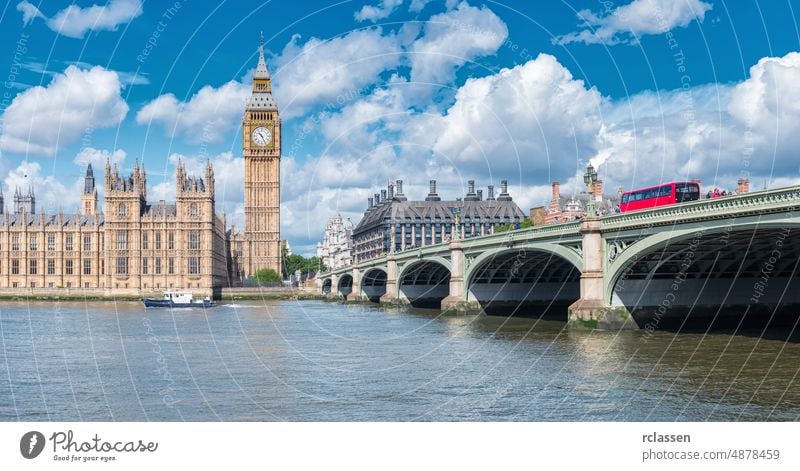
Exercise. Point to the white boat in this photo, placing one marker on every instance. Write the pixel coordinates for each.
(178, 299)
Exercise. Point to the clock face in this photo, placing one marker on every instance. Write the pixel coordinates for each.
(261, 136)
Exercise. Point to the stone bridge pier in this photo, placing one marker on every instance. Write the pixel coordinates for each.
(390, 296)
(592, 310)
(456, 300)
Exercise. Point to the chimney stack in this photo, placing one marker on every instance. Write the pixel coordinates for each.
(556, 191)
(504, 196)
(480, 195)
(432, 196)
(490, 197)
(391, 191)
(598, 190)
(371, 202)
(743, 186)
(471, 196)
(383, 195)
(377, 199)
(399, 191)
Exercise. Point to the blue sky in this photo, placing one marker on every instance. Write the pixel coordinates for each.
(378, 90)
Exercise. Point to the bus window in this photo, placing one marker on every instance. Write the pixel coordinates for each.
(665, 191)
(686, 192)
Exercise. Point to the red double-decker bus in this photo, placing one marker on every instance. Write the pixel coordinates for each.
(662, 195)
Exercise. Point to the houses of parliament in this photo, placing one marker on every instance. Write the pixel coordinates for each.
(135, 245)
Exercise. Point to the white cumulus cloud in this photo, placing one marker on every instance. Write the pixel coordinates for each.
(98, 157)
(628, 22)
(74, 21)
(41, 120)
(208, 116)
(535, 117)
(375, 13)
(452, 39)
(332, 72)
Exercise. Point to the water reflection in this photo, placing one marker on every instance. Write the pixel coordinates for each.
(319, 361)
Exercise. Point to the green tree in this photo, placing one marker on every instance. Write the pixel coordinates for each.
(314, 264)
(510, 227)
(266, 275)
(294, 262)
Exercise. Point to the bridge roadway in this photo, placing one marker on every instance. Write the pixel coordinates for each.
(729, 261)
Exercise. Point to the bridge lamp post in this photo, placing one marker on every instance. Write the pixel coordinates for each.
(590, 178)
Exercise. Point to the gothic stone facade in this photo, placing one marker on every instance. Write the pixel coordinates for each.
(134, 245)
(131, 246)
(336, 247)
(260, 245)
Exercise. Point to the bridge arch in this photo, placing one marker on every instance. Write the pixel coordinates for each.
(530, 280)
(555, 250)
(716, 274)
(373, 284)
(424, 283)
(327, 285)
(345, 284)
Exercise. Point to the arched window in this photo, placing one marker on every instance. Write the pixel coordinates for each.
(193, 210)
(121, 209)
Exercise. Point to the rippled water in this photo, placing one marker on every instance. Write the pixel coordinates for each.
(316, 361)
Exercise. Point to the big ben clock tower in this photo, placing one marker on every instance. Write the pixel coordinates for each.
(261, 143)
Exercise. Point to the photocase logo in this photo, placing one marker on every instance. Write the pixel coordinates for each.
(31, 444)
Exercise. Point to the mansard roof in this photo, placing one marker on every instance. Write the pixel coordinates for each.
(160, 209)
(398, 211)
(262, 101)
(52, 219)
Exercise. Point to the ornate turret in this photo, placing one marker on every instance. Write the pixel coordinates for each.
(89, 196)
(180, 177)
(107, 177)
(24, 203)
(125, 197)
(209, 177)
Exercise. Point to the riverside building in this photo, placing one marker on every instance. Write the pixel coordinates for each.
(132, 245)
(392, 223)
(336, 247)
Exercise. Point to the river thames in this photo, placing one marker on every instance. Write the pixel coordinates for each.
(318, 361)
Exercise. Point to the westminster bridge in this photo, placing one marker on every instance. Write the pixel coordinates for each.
(723, 261)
